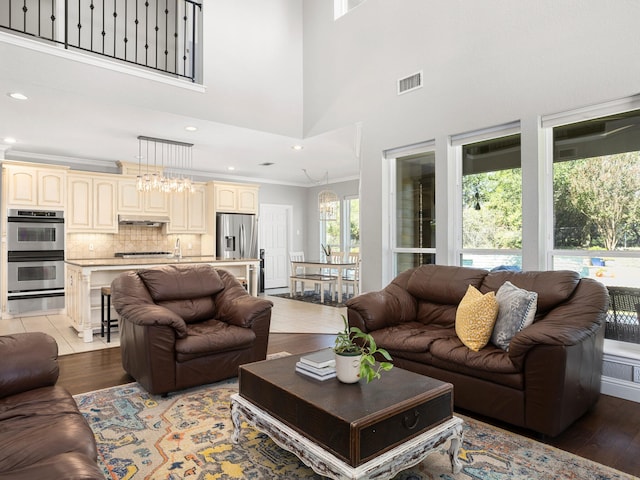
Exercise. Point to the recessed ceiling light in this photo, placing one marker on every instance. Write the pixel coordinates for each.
(231, 168)
(9, 140)
(17, 96)
(297, 147)
(191, 129)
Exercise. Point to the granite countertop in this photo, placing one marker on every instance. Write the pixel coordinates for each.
(135, 262)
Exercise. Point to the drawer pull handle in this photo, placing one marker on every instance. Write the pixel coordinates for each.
(411, 423)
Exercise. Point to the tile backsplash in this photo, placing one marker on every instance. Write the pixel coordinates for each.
(128, 239)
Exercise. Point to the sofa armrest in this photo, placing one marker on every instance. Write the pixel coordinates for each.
(153, 315)
(235, 306)
(571, 323)
(29, 361)
(375, 310)
(243, 311)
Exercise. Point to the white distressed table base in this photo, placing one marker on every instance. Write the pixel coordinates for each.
(385, 466)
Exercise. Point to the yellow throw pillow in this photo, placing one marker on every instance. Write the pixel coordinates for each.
(475, 318)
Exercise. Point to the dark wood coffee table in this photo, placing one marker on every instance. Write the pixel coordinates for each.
(349, 431)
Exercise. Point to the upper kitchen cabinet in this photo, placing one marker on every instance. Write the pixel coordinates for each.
(34, 186)
(92, 204)
(130, 200)
(187, 213)
(235, 197)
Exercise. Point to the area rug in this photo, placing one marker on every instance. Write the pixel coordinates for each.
(313, 297)
(187, 435)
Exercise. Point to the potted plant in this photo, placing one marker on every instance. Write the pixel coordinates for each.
(355, 355)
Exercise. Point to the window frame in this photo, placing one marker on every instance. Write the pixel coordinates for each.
(392, 157)
(457, 142)
(548, 123)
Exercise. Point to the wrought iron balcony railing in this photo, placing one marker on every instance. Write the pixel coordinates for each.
(162, 35)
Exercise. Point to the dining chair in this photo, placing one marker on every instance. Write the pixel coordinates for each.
(351, 276)
(337, 257)
(299, 274)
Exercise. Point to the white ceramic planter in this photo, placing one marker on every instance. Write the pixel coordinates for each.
(348, 368)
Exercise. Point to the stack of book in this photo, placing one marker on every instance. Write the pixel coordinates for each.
(320, 365)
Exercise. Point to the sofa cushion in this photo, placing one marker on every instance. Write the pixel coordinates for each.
(192, 310)
(410, 337)
(516, 310)
(437, 314)
(454, 353)
(475, 318)
(212, 336)
(442, 283)
(179, 282)
(490, 363)
(39, 424)
(552, 287)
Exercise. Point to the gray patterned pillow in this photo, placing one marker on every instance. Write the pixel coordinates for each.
(516, 310)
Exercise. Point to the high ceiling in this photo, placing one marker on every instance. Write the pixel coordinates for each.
(94, 122)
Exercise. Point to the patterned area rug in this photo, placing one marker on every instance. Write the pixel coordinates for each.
(312, 297)
(187, 435)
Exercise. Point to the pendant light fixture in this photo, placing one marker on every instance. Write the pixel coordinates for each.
(328, 201)
(167, 162)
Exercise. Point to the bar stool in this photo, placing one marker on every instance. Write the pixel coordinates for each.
(106, 293)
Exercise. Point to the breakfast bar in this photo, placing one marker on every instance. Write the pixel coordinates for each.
(86, 277)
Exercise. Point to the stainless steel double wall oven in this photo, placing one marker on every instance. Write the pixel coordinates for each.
(35, 268)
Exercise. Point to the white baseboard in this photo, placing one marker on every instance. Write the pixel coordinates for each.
(621, 389)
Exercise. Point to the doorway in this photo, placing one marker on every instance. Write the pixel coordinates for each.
(275, 234)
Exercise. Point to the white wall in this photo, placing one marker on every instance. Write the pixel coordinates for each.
(253, 68)
(485, 63)
(296, 197)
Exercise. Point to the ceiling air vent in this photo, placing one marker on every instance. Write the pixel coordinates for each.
(410, 83)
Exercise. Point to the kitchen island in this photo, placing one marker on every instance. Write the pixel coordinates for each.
(86, 277)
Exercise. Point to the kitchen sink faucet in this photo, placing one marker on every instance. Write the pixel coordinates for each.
(177, 251)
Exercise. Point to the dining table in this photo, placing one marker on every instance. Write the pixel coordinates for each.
(323, 266)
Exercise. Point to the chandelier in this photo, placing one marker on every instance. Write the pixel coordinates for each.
(328, 201)
(166, 174)
(328, 206)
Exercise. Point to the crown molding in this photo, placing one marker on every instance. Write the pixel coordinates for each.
(107, 166)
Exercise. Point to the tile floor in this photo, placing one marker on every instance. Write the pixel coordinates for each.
(288, 316)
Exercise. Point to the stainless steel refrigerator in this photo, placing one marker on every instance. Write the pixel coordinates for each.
(236, 235)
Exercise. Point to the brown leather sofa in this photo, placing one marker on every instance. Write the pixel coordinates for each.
(187, 325)
(548, 378)
(42, 433)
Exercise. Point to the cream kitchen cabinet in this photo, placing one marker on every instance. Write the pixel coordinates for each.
(235, 197)
(187, 212)
(92, 204)
(34, 186)
(130, 200)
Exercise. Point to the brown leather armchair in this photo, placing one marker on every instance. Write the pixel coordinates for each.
(42, 432)
(187, 325)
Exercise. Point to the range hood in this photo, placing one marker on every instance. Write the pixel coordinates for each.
(143, 220)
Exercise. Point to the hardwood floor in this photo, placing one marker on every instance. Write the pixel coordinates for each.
(609, 435)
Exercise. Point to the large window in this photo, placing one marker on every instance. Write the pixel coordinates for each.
(492, 203)
(596, 218)
(415, 211)
(343, 233)
(352, 225)
(596, 184)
